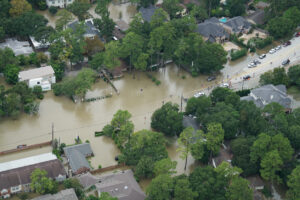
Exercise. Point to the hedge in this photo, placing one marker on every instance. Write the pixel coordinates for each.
(238, 54)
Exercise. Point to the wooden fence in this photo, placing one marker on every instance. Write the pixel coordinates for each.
(105, 169)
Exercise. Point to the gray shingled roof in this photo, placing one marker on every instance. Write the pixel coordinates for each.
(77, 154)
(210, 29)
(238, 23)
(148, 12)
(90, 29)
(258, 17)
(267, 94)
(121, 185)
(20, 176)
(87, 180)
(68, 194)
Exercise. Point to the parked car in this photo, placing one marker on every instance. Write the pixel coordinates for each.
(272, 51)
(287, 43)
(21, 146)
(199, 94)
(277, 48)
(224, 85)
(256, 62)
(251, 65)
(285, 62)
(262, 56)
(297, 34)
(247, 77)
(211, 78)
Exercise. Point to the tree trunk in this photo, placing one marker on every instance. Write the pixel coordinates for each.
(210, 157)
(185, 162)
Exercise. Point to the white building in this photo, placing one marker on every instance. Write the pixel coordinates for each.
(59, 3)
(43, 76)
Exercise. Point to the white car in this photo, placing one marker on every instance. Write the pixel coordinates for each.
(272, 51)
(199, 94)
(224, 85)
(262, 56)
(251, 65)
(277, 48)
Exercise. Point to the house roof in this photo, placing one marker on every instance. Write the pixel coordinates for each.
(122, 25)
(148, 12)
(35, 73)
(21, 175)
(121, 185)
(262, 5)
(26, 161)
(238, 23)
(77, 154)
(68, 194)
(87, 180)
(90, 29)
(258, 17)
(210, 29)
(18, 47)
(267, 94)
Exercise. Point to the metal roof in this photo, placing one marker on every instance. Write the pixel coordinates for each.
(18, 47)
(26, 161)
(35, 73)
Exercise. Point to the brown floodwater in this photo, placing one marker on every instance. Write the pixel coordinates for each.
(140, 96)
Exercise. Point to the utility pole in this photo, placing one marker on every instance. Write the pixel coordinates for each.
(181, 102)
(52, 133)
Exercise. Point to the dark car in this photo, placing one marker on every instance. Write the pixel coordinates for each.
(285, 62)
(287, 43)
(297, 34)
(247, 77)
(211, 78)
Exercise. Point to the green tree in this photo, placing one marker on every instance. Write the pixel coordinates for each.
(239, 189)
(294, 184)
(43, 33)
(167, 119)
(112, 54)
(172, 7)
(199, 13)
(18, 7)
(93, 46)
(199, 106)
(293, 135)
(214, 137)
(64, 18)
(183, 190)
(79, 8)
(106, 196)
(160, 188)
(105, 26)
(227, 171)
(224, 114)
(293, 14)
(236, 7)
(159, 18)
(11, 73)
(2, 33)
(294, 75)
(74, 183)
(7, 57)
(270, 165)
(240, 148)
(4, 8)
(59, 69)
(165, 166)
(144, 143)
(144, 168)
(219, 94)
(276, 77)
(132, 46)
(207, 183)
(280, 27)
(97, 61)
(40, 183)
(185, 141)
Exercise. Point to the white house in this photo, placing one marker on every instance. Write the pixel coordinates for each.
(59, 3)
(43, 76)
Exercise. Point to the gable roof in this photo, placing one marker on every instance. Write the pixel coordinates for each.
(87, 180)
(121, 185)
(258, 17)
(238, 23)
(267, 94)
(90, 29)
(68, 194)
(77, 154)
(211, 29)
(36, 73)
(148, 12)
(21, 175)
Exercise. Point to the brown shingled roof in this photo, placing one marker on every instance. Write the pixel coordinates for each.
(20, 176)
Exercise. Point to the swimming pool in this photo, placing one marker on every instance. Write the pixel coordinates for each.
(223, 19)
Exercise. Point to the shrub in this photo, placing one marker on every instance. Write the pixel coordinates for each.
(238, 54)
(53, 10)
(41, 57)
(37, 90)
(99, 166)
